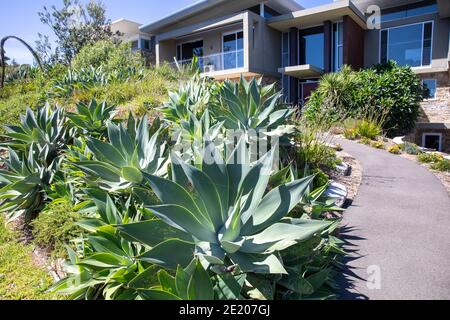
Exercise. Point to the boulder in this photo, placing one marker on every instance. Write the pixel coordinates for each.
(337, 192)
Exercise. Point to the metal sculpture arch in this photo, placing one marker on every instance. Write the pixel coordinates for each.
(2, 54)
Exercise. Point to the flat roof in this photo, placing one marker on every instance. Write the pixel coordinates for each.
(317, 15)
(202, 5)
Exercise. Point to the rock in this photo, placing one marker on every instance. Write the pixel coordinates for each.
(338, 192)
(447, 157)
(398, 140)
(344, 168)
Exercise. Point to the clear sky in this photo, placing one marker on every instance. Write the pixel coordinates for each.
(20, 18)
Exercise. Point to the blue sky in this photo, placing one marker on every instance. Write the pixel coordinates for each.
(20, 17)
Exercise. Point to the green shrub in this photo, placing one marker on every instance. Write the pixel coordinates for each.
(395, 149)
(388, 87)
(443, 165)
(410, 148)
(108, 55)
(428, 157)
(55, 227)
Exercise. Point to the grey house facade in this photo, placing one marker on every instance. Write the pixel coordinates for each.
(281, 41)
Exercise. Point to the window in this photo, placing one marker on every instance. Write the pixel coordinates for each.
(305, 90)
(285, 57)
(145, 44)
(411, 10)
(432, 141)
(135, 44)
(338, 46)
(233, 50)
(431, 84)
(312, 47)
(408, 45)
(187, 50)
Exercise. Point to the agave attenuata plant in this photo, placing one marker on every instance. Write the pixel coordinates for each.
(229, 219)
(24, 181)
(47, 130)
(131, 151)
(248, 105)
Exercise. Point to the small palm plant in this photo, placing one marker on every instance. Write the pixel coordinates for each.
(228, 219)
(121, 163)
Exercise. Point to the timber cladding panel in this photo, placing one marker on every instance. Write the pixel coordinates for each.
(353, 44)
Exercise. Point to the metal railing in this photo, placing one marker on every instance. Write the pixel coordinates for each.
(216, 62)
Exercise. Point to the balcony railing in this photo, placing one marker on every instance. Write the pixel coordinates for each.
(216, 62)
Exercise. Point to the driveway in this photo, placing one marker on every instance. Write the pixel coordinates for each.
(397, 231)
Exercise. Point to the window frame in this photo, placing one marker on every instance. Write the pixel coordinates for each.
(422, 39)
(335, 50)
(287, 90)
(235, 32)
(435, 85)
(428, 134)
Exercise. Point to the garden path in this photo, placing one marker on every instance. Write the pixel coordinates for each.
(397, 231)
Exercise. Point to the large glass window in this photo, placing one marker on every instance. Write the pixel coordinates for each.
(338, 46)
(410, 10)
(312, 47)
(233, 50)
(408, 45)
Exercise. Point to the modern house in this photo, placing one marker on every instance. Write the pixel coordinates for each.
(281, 41)
(139, 40)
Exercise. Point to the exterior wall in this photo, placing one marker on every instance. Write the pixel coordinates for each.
(437, 110)
(165, 51)
(440, 48)
(264, 47)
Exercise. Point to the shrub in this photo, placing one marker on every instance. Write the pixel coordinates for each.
(427, 157)
(55, 227)
(108, 55)
(384, 87)
(395, 149)
(410, 148)
(377, 144)
(443, 165)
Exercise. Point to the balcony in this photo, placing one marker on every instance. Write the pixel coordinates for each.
(216, 64)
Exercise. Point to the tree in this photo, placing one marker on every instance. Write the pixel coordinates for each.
(75, 26)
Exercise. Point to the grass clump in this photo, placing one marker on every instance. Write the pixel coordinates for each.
(55, 227)
(20, 278)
